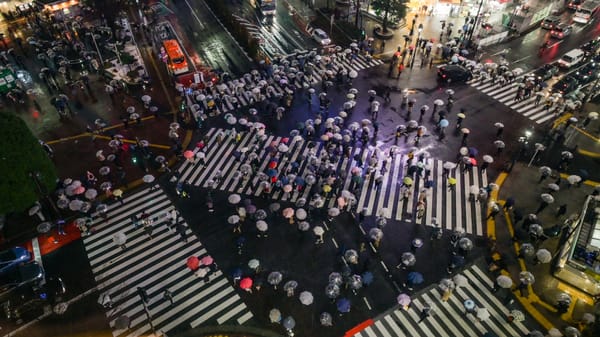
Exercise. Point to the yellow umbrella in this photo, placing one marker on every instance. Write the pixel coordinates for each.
(117, 193)
(451, 181)
(326, 188)
(407, 181)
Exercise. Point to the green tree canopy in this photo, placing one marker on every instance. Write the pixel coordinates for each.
(393, 10)
(21, 155)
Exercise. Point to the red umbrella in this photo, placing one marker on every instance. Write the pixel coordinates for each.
(188, 154)
(285, 140)
(273, 164)
(207, 260)
(473, 161)
(246, 283)
(193, 263)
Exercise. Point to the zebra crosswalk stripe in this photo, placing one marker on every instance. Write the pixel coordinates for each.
(156, 264)
(505, 94)
(452, 209)
(449, 318)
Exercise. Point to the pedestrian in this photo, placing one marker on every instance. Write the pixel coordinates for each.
(167, 295)
(509, 204)
(426, 312)
(60, 226)
(562, 210)
(182, 231)
(400, 69)
(542, 206)
(446, 295)
(106, 301)
(495, 209)
(174, 219)
(143, 295)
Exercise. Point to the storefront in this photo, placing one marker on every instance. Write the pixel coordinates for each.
(60, 8)
(578, 262)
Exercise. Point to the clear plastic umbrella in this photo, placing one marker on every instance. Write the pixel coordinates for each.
(517, 315)
(482, 314)
(262, 226)
(408, 259)
(275, 316)
(375, 234)
(465, 243)
(572, 332)
(335, 278)
(355, 282)
(460, 280)
(288, 323)
(403, 299)
(446, 284)
(274, 278)
(303, 226)
(351, 256)
(301, 214)
(527, 249)
(548, 198)
(234, 199)
(253, 264)
(526, 277)
(233, 219)
(326, 319)
(333, 212)
(543, 255)
(504, 281)
(332, 290)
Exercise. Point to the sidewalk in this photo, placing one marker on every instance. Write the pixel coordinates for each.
(540, 298)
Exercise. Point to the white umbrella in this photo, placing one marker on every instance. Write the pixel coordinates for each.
(234, 199)
(234, 219)
(504, 281)
(548, 198)
(262, 226)
(253, 264)
(318, 230)
(119, 238)
(482, 314)
(148, 178)
(543, 255)
(301, 214)
(438, 102)
(488, 159)
(75, 205)
(553, 187)
(554, 332)
(460, 280)
(334, 211)
(306, 298)
(573, 179)
(449, 165)
(91, 194)
(408, 259)
(275, 316)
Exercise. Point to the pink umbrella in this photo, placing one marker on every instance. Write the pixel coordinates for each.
(287, 188)
(246, 283)
(341, 202)
(288, 212)
(79, 190)
(188, 154)
(207, 260)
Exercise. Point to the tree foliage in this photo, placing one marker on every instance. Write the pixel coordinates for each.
(20, 155)
(389, 10)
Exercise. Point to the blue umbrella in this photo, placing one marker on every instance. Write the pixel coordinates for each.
(272, 172)
(458, 260)
(367, 278)
(237, 272)
(415, 277)
(295, 164)
(444, 123)
(284, 180)
(343, 305)
(473, 152)
(299, 181)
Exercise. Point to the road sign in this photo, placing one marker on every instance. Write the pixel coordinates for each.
(7, 80)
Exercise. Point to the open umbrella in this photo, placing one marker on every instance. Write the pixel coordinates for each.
(355, 282)
(119, 238)
(351, 256)
(246, 283)
(288, 323)
(482, 314)
(553, 187)
(545, 170)
(543, 255)
(275, 316)
(288, 212)
(403, 299)
(446, 284)
(188, 154)
(326, 319)
(465, 243)
(304, 226)
(233, 219)
(301, 214)
(488, 159)
(527, 249)
(548, 198)
(526, 277)
(554, 332)
(274, 278)
(343, 305)
(207, 260)
(335, 278)
(408, 259)
(333, 212)
(517, 315)
(332, 290)
(572, 332)
(318, 230)
(306, 298)
(91, 194)
(75, 205)
(122, 322)
(193, 263)
(253, 264)
(449, 165)
(290, 286)
(234, 199)
(573, 179)
(415, 277)
(262, 226)
(148, 178)
(460, 280)
(367, 278)
(504, 281)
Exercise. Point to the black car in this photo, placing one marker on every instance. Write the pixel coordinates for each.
(587, 73)
(565, 85)
(453, 73)
(591, 47)
(547, 71)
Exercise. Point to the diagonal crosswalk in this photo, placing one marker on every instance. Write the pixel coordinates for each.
(506, 94)
(239, 91)
(156, 264)
(452, 209)
(449, 319)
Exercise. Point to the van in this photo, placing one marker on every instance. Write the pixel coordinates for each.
(571, 58)
(550, 22)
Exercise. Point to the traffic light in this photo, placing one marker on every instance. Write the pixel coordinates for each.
(182, 106)
(134, 159)
(363, 34)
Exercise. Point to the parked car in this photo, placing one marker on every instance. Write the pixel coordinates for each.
(587, 73)
(24, 275)
(572, 58)
(453, 73)
(321, 37)
(30, 301)
(566, 85)
(12, 257)
(547, 71)
(561, 31)
(550, 22)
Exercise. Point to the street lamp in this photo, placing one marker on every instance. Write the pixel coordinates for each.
(419, 31)
(93, 36)
(475, 23)
(538, 147)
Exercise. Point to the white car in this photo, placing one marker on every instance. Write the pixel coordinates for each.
(571, 58)
(321, 37)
